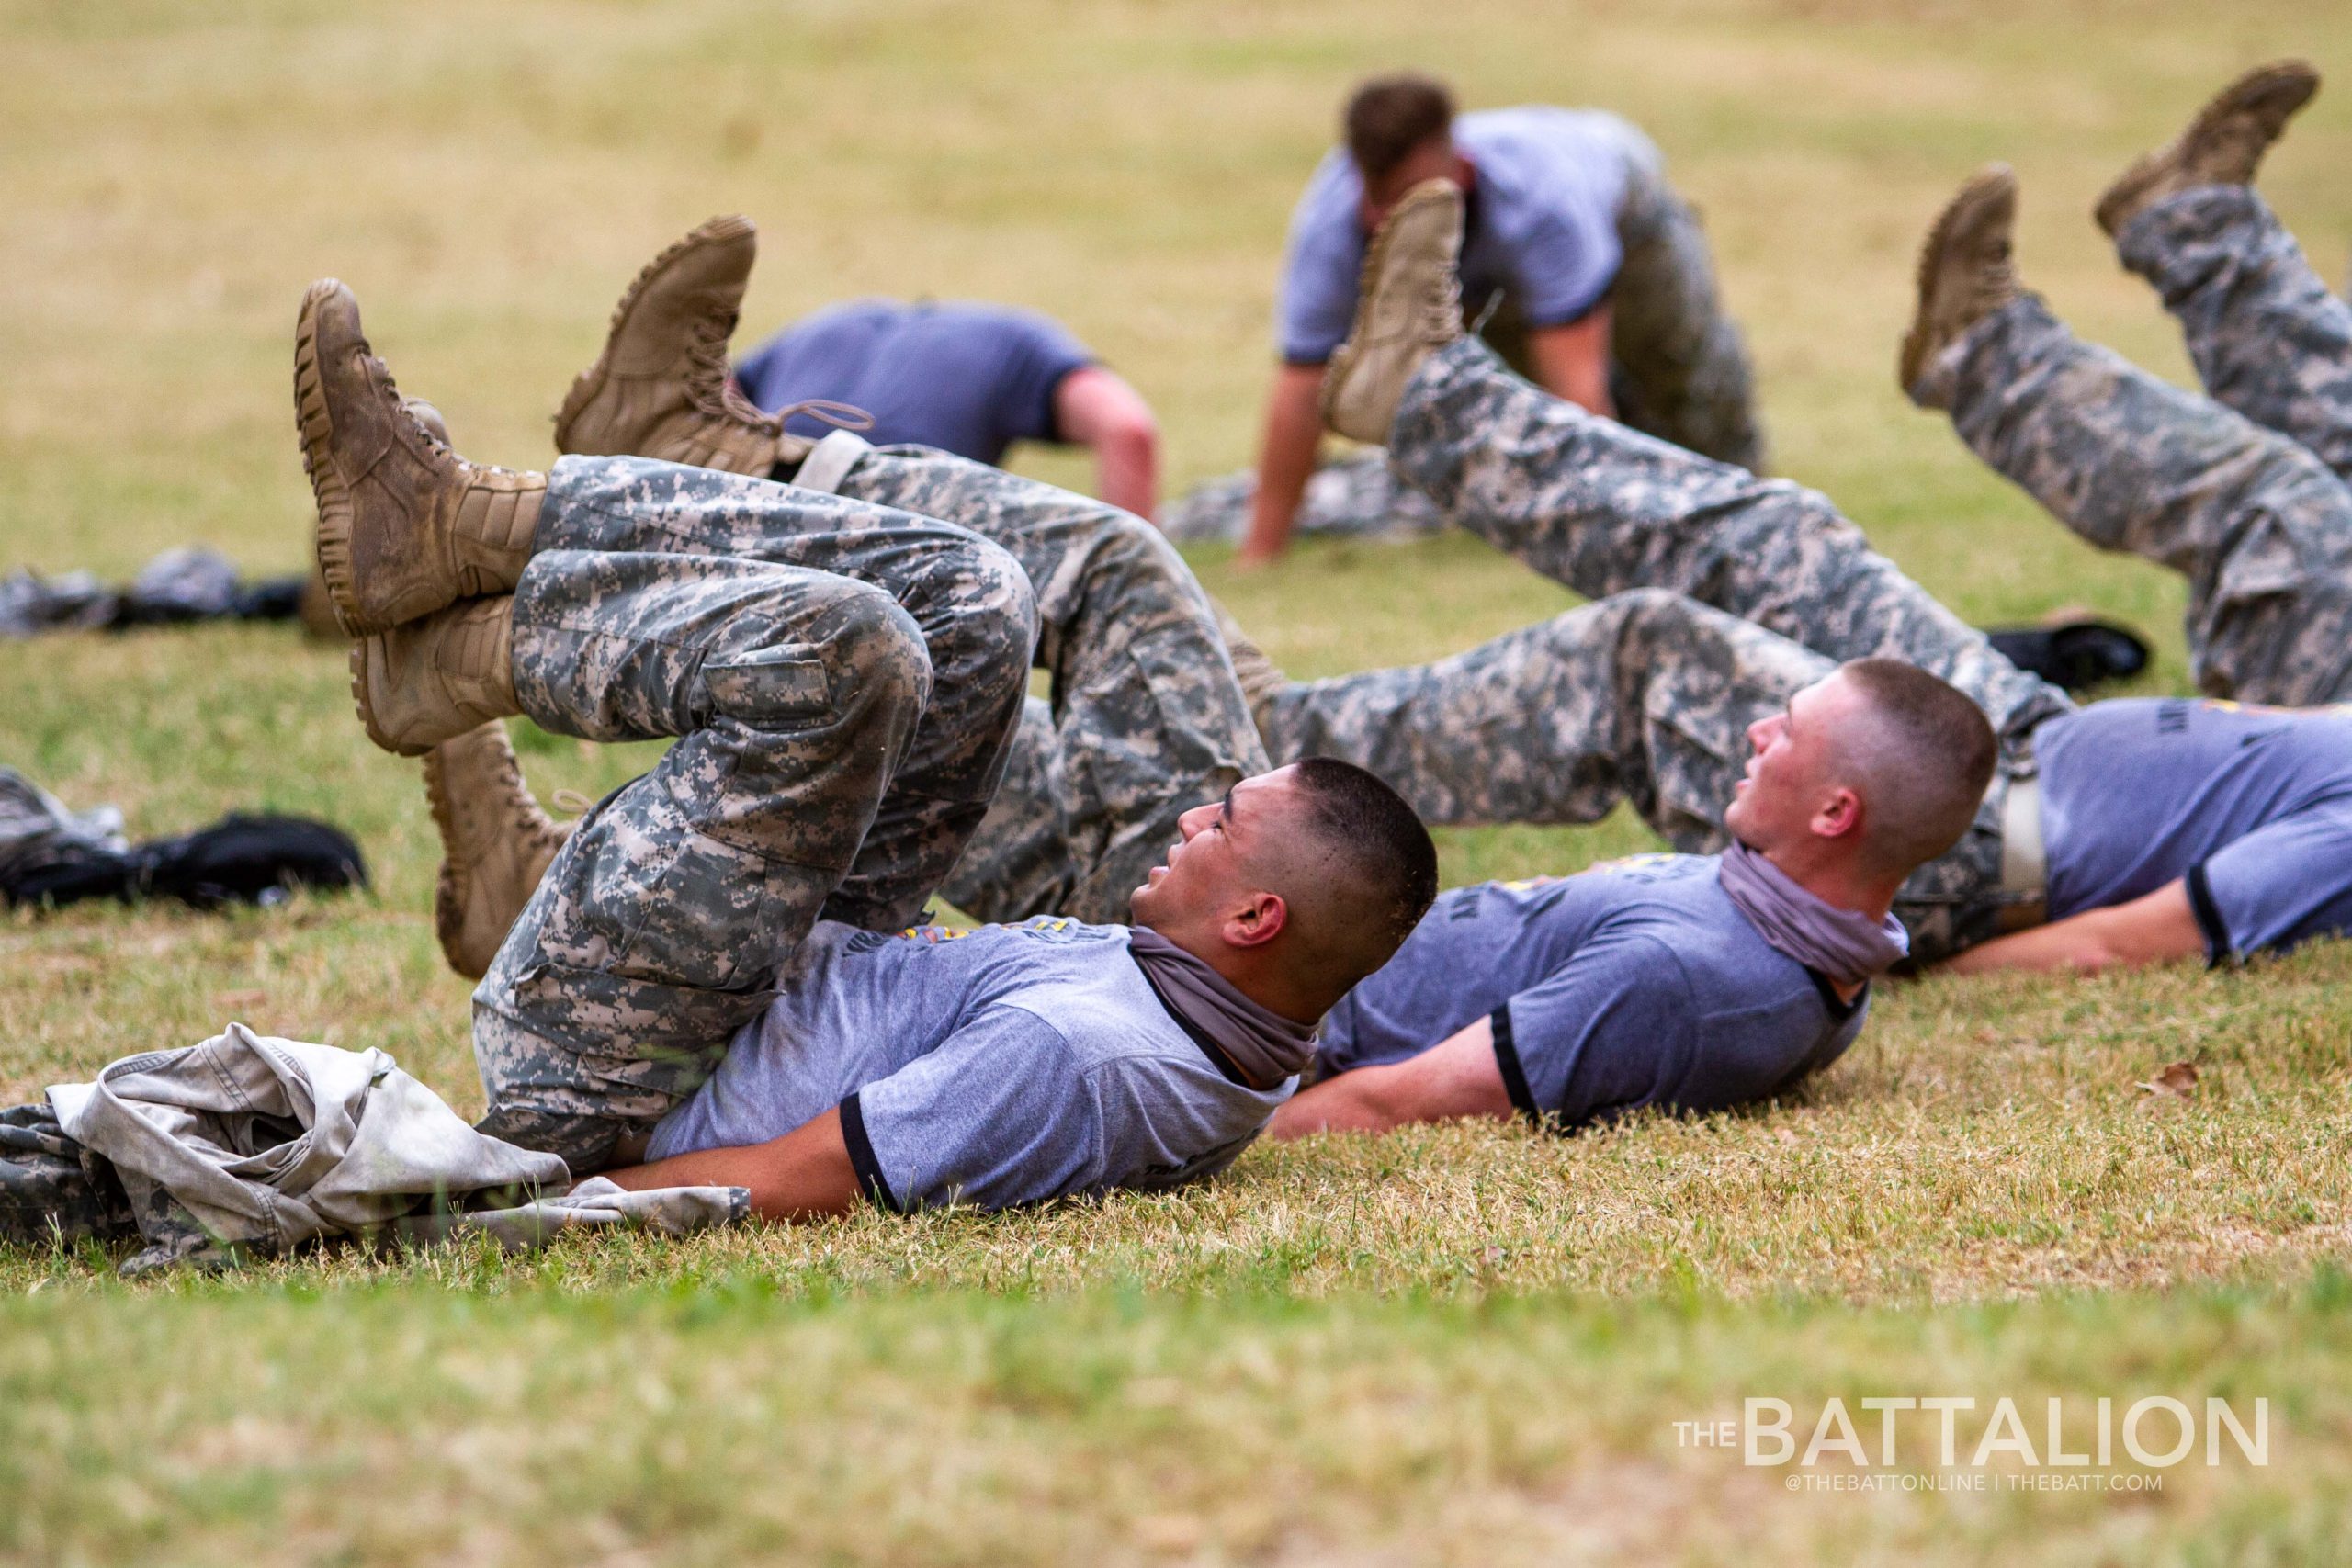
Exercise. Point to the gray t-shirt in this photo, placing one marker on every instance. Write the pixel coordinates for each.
(1636, 983)
(1541, 224)
(2252, 806)
(1002, 1066)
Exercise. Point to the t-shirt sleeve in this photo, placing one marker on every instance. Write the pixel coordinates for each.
(1322, 265)
(2286, 881)
(1039, 352)
(1610, 1029)
(1563, 257)
(998, 1115)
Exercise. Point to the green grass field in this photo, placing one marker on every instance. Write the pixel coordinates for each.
(1454, 1344)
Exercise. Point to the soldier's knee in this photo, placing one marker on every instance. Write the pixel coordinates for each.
(1650, 612)
(860, 653)
(876, 648)
(992, 618)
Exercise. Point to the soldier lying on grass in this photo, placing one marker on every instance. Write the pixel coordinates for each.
(2132, 831)
(709, 961)
(1687, 983)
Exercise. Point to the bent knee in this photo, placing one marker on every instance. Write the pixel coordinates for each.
(857, 653)
(989, 627)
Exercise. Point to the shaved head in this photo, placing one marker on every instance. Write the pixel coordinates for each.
(1920, 754)
(1357, 870)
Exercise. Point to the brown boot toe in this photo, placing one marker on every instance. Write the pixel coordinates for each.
(405, 526)
(2223, 145)
(661, 387)
(1965, 270)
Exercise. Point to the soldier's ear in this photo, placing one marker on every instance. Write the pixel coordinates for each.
(1839, 816)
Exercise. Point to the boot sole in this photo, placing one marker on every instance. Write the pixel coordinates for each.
(1345, 358)
(367, 709)
(330, 539)
(449, 907)
(451, 888)
(589, 383)
(1913, 357)
(2245, 93)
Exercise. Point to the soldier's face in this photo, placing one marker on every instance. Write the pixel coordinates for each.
(1432, 160)
(1208, 870)
(1791, 770)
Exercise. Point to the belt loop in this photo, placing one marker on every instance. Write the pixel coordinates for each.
(829, 461)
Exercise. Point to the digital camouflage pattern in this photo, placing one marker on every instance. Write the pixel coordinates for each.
(1147, 719)
(2266, 337)
(1351, 495)
(51, 1188)
(841, 681)
(1645, 696)
(1679, 369)
(1601, 509)
(1718, 595)
(2251, 500)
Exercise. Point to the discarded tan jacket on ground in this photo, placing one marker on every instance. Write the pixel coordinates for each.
(249, 1144)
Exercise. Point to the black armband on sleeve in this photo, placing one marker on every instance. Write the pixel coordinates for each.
(1507, 1059)
(870, 1179)
(2218, 949)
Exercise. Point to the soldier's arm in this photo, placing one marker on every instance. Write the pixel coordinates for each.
(1572, 361)
(1097, 409)
(802, 1175)
(1286, 460)
(1458, 1077)
(2150, 930)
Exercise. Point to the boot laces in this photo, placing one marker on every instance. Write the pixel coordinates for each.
(710, 384)
(841, 416)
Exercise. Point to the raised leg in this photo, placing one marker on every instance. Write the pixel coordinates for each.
(1149, 719)
(795, 696)
(1645, 696)
(970, 602)
(1603, 509)
(2268, 338)
(2257, 523)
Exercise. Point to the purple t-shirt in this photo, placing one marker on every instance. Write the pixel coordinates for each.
(1636, 983)
(2253, 806)
(967, 378)
(1542, 224)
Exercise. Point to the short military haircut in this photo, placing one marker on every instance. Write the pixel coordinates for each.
(1390, 116)
(1921, 763)
(1364, 875)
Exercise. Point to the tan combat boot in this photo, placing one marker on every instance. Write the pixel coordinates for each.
(1965, 272)
(495, 844)
(432, 680)
(405, 525)
(2222, 146)
(661, 388)
(316, 609)
(1410, 305)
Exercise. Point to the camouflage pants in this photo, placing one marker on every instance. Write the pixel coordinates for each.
(1144, 719)
(2252, 506)
(1679, 369)
(1718, 595)
(1601, 509)
(1356, 495)
(841, 682)
(54, 1190)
